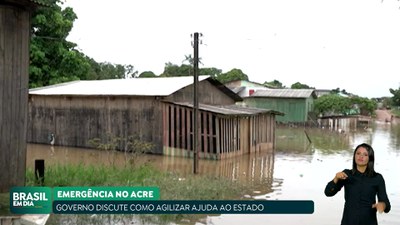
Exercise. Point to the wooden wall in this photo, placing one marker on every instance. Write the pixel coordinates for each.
(14, 62)
(342, 124)
(221, 136)
(76, 120)
(295, 109)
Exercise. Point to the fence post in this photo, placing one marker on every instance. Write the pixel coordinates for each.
(39, 171)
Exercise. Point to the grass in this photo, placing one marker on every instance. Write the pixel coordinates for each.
(172, 186)
(396, 112)
(5, 204)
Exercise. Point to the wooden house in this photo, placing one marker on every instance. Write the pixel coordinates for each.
(155, 110)
(296, 104)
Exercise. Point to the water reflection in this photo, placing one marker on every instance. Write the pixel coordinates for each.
(304, 172)
(297, 170)
(256, 169)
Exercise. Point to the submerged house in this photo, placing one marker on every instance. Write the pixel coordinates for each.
(296, 104)
(154, 110)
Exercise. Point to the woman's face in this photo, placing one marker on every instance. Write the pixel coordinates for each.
(361, 157)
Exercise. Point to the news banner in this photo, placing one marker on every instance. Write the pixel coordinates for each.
(138, 200)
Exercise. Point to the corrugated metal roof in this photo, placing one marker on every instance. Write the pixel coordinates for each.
(230, 109)
(284, 93)
(160, 86)
(237, 89)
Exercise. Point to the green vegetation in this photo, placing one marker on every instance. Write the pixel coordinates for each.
(396, 112)
(299, 85)
(274, 84)
(4, 204)
(54, 60)
(395, 100)
(234, 74)
(172, 186)
(336, 104)
(131, 145)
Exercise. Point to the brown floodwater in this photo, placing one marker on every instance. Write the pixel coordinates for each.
(257, 168)
(297, 170)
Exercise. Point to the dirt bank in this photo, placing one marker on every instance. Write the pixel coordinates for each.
(383, 115)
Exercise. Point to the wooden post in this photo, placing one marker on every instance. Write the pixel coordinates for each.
(14, 65)
(39, 171)
(196, 132)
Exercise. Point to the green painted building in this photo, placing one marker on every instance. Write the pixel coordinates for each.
(296, 104)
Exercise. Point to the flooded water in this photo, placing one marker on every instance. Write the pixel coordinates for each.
(298, 170)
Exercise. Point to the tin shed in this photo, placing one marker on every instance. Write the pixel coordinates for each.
(296, 104)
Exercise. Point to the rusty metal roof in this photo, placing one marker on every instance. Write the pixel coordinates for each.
(229, 109)
(285, 93)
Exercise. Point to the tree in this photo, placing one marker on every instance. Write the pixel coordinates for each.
(173, 70)
(396, 96)
(106, 70)
(299, 85)
(212, 71)
(366, 106)
(147, 74)
(274, 84)
(53, 59)
(234, 74)
(331, 104)
(336, 104)
(190, 60)
(337, 91)
(130, 71)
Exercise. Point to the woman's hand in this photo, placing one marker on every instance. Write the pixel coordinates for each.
(340, 176)
(380, 206)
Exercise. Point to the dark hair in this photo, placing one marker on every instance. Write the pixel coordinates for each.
(371, 159)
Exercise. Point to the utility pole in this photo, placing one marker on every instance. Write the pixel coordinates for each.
(196, 104)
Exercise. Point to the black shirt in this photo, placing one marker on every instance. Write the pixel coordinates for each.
(360, 193)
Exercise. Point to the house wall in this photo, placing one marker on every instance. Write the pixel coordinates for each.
(295, 109)
(77, 120)
(343, 124)
(220, 136)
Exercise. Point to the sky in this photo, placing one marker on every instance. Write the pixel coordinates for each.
(326, 44)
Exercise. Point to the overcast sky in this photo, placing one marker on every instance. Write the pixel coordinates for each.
(350, 44)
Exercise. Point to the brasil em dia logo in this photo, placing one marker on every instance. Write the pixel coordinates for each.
(30, 200)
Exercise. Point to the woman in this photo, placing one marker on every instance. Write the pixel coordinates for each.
(361, 187)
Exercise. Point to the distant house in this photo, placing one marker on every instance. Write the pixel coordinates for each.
(296, 104)
(245, 88)
(155, 110)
